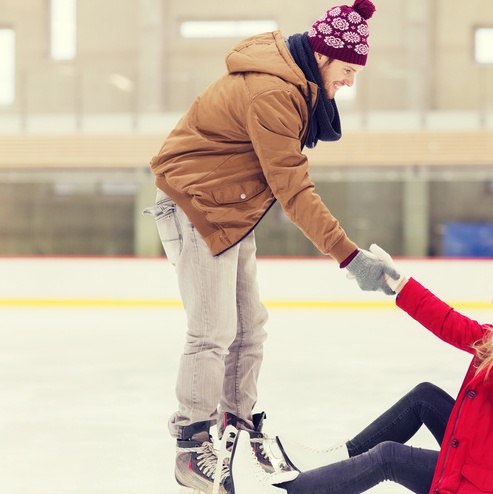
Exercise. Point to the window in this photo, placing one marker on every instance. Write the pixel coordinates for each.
(7, 66)
(225, 29)
(63, 29)
(483, 45)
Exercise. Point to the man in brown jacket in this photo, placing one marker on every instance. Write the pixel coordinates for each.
(236, 151)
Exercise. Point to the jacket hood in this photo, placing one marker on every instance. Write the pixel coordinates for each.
(266, 53)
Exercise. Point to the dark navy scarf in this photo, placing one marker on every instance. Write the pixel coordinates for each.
(324, 121)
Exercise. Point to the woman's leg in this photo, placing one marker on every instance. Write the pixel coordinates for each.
(410, 467)
(425, 404)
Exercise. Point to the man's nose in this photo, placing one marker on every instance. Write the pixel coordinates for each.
(349, 81)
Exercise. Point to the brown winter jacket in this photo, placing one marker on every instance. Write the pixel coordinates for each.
(238, 149)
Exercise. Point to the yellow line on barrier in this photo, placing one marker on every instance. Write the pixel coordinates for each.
(88, 303)
(327, 304)
(169, 303)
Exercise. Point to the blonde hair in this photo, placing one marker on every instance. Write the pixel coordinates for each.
(484, 353)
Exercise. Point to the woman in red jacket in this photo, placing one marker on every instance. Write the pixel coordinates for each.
(462, 427)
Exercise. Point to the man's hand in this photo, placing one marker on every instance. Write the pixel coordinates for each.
(372, 273)
(387, 259)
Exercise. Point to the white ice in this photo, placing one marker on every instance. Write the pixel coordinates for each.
(85, 392)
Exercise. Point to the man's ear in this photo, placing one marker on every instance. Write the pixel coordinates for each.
(319, 57)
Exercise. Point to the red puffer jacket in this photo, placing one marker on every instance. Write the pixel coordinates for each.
(465, 462)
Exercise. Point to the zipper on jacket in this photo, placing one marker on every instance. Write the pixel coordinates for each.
(440, 480)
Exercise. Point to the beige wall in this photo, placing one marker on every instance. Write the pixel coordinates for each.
(397, 189)
(131, 57)
(461, 83)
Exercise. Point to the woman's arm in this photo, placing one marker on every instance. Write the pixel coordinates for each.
(437, 316)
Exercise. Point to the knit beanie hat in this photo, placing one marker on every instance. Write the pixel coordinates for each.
(342, 32)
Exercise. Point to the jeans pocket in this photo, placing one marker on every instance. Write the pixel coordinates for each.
(168, 227)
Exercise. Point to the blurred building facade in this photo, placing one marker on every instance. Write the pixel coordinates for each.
(77, 130)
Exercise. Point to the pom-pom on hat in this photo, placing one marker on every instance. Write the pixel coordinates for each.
(342, 32)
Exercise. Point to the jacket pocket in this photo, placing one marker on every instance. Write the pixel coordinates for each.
(238, 192)
(479, 476)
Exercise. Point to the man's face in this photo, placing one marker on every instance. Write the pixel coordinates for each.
(336, 74)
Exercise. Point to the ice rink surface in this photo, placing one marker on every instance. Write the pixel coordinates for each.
(86, 389)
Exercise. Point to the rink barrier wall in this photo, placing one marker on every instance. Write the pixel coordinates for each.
(360, 148)
(297, 283)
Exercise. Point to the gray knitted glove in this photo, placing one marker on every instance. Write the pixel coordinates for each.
(387, 259)
(370, 272)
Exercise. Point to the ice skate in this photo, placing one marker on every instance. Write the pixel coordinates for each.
(247, 474)
(303, 458)
(266, 449)
(196, 462)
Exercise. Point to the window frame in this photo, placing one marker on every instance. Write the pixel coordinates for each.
(224, 28)
(63, 30)
(7, 66)
(479, 53)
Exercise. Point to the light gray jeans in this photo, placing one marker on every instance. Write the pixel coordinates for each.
(223, 351)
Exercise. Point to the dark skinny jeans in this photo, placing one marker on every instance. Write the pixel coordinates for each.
(378, 453)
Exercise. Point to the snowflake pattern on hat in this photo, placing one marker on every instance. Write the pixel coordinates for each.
(334, 42)
(363, 30)
(324, 28)
(340, 24)
(351, 37)
(361, 49)
(354, 18)
(342, 32)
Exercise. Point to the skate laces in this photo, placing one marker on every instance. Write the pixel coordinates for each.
(311, 449)
(207, 461)
(223, 457)
(264, 476)
(258, 470)
(270, 450)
